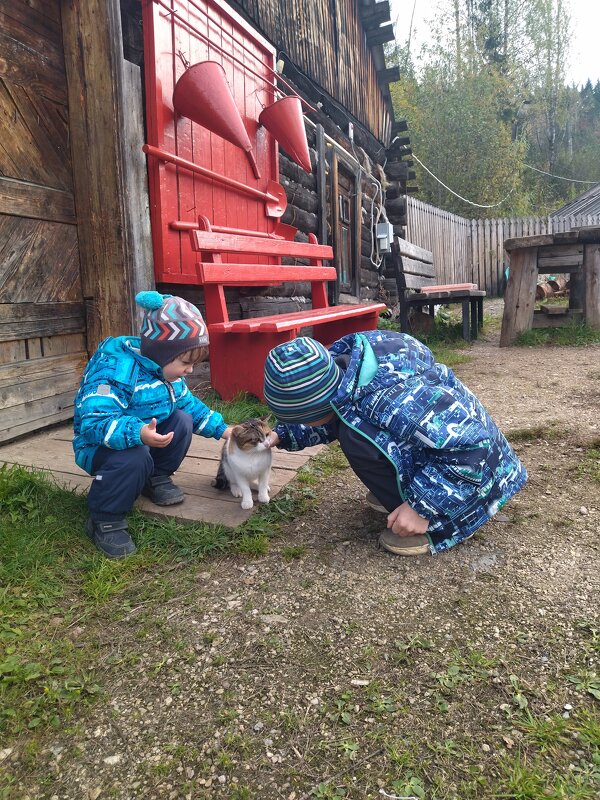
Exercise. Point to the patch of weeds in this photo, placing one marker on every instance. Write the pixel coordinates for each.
(348, 747)
(341, 709)
(574, 334)
(549, 431)
(252, 544)
(290, 552)
(589, 466)
(240, 792)
(325, 791)
(404, 647)
(243, 406)
(445, 342)
(586, 682)
(410, 785)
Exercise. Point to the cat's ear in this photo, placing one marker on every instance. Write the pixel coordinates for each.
(236, 430)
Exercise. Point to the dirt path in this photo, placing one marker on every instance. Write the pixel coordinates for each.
(331, 667)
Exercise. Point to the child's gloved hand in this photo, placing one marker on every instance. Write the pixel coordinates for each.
(151, 437)
(227, 432)
(405, 521)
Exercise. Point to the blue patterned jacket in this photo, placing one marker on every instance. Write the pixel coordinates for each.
(120, 392)
(453, 465)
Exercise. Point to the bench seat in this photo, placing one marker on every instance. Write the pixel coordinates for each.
(238, 348)
(415, 280)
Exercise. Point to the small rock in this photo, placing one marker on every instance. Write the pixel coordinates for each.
(486, 748)
(222, 779)
(94, 794)
(259, 726)
(568, 707)
(112, 760)
(4, 754)
(359, 682)
(583, 511)
(274, 619)
(502, 518)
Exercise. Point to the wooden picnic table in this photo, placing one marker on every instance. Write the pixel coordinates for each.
(576, 252)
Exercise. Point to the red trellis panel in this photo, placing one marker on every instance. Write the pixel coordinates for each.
(172, 40)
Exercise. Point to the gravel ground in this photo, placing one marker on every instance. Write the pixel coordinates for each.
(330, 668)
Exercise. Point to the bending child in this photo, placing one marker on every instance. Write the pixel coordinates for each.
(423, 445)
(134, 416)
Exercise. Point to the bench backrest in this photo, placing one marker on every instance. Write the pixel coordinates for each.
(214, 274)
(414, 265)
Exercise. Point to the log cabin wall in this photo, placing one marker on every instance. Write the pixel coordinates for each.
(42, 319)
(329, 43)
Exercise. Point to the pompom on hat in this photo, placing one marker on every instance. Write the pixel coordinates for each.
(301, 379)
(171, 326)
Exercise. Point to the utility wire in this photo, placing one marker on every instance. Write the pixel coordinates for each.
(460, 197)
(560, 177)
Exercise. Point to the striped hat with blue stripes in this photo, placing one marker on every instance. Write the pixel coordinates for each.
(301, 379)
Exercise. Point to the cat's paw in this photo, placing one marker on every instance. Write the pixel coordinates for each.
(236, 491)
(247, 503)
(264, 498)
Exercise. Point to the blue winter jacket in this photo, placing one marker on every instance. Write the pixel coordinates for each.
(120, 392)
(453, 465)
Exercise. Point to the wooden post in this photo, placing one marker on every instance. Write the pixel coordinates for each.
(591, 271)
(519, 299)
(97, 107)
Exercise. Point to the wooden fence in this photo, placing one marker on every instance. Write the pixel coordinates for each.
(473, 249)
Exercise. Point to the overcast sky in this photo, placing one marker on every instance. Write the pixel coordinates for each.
(585, 25)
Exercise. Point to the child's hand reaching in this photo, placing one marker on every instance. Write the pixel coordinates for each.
(405, 521)
(151, 437)
(272, 440)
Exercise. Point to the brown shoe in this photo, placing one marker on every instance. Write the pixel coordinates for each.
(374, 503)
(404, 545)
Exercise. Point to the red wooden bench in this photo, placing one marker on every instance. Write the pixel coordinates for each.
(238, 348)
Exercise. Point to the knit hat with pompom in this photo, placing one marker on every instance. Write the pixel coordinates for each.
(171, 326)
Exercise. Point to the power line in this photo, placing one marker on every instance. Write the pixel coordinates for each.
(560, 177)
(460, 197)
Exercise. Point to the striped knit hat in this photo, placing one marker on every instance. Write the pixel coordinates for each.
(301, 379)
(171, 327)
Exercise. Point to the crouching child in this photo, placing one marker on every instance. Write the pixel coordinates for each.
(428, 452)
(135, 416)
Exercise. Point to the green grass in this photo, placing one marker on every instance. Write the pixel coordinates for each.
(572, 335)
(52, 579)
(445, 342)
(548, 431)
(243, 406)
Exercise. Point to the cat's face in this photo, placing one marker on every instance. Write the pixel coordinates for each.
(251, 434)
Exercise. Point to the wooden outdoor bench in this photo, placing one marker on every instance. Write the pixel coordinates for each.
(238, 348)
(414, 270)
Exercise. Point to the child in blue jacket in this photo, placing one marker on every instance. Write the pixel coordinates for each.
(134, 416)
(424, 446)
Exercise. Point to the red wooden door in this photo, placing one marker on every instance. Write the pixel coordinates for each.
(181, 33)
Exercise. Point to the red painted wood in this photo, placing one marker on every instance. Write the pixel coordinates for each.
(260, 274)
(298, 319)
(209, 241)
(175, 193)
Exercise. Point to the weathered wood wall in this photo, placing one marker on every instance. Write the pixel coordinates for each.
(328, 43)
(42, 319)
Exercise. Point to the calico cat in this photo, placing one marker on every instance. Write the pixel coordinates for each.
(246, 458)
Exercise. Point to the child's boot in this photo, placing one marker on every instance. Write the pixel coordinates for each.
(404, 545)
(161, 490)
(111, 538)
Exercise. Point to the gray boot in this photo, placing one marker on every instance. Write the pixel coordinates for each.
(161, 490)
(111, 538)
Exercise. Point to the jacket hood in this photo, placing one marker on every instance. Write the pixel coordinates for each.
(128, 346)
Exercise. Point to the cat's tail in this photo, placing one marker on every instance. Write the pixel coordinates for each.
(221, 482)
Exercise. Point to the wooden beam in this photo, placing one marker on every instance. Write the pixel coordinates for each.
(389, 75)
(398, 126)
(373, 16)
(380, 35)
(23, 199)
(97, 108)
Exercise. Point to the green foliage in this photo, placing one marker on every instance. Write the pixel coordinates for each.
(243, 406)
(489, 96)
(573, 335)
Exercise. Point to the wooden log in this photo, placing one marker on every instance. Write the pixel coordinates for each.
(519, 298)
(591, 271)
(389, 75)
(303, 220)
(300, 197)
(294, 172)
(380, 35)
(397, 170)
(398, 126)
(373, 16)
